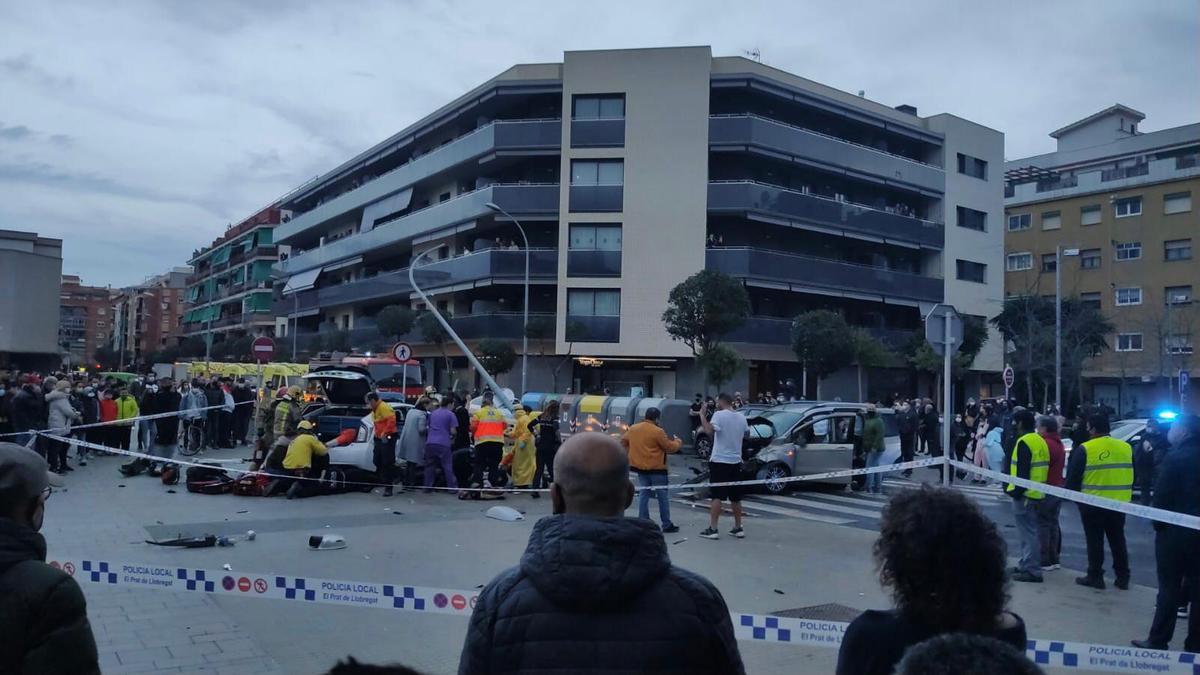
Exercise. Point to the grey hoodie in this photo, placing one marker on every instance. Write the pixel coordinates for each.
(61, 414)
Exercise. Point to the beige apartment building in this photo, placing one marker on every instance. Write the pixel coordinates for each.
(1124, 199)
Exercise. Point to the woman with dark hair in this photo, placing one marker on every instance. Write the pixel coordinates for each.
(547, 438)
(944, 562)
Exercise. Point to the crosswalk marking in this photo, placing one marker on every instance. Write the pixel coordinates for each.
(791, 513)
(813, 504)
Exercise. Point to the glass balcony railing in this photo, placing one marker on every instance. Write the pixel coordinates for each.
(602, 198)
(779, 137)
(593, 263)
(598, 133)
(596, 328)
(770, 330)
(832, 275)
(778, 202)
(501, 325)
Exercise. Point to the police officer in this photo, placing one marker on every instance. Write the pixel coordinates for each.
(1030, 460)
(1103, 469)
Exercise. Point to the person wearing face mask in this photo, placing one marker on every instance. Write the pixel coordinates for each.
(43, 615)
(164, 430)
(1177, 548)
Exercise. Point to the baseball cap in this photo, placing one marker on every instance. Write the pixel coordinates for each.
(23, 476)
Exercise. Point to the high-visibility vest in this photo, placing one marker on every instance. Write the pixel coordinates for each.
(1039, 463)
(490, 425)
(1109, 471)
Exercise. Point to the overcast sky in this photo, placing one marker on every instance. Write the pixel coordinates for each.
(136, 131)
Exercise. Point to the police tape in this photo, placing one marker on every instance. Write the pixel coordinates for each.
(748, 627)
(1148, 512)
(127, 422)
(825, 475)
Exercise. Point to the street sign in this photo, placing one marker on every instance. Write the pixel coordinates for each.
(1185, 379)
(1009, 377)
(401, 351)
(262, 349)
(935, 328)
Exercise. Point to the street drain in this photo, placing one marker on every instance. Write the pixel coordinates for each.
(830, 612)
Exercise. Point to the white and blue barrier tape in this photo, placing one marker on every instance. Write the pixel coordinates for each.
(438, 600)
(127, 422)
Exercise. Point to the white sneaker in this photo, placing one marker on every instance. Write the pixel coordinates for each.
(1051, 568)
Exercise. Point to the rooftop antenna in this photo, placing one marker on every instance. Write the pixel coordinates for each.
(754, 54)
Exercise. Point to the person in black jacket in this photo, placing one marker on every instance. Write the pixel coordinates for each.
(1177, 549)
(28, 410)
(596, 591)
(44, 628)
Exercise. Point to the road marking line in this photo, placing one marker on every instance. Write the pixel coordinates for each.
(791, 513)
(808, 503)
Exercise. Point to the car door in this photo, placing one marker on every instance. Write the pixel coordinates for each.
(826, 443)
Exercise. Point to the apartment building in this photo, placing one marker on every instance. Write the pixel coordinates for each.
(1122, 198)
(29, 318)
(147, 317)
(230, 289)
(85, 320)
(628, 171)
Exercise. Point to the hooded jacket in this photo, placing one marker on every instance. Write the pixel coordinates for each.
(28, 409)
(599, 595)
(61, 414)
(43, 617)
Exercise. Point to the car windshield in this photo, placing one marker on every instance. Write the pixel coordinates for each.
(1123, 430)
(783, 420)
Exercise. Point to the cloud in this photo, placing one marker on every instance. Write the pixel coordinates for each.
(15, 133)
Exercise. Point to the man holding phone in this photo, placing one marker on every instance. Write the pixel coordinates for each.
(648, 448)
(727, 429)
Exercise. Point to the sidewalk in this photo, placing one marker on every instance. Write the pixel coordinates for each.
(784, 564)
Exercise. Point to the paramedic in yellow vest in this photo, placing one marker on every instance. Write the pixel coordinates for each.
(1030, 460)
(1103, 467)
(487, 427)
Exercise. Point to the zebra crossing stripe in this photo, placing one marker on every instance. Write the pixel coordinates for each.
(801, 502)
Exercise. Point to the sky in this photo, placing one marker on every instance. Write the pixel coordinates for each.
(138, 131)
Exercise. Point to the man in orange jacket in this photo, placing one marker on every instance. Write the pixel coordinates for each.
(648, 447)
(487, 426)
(384, 450)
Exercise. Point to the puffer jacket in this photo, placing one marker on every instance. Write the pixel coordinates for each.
(28, 409)
(61, 414)
(44, 627)
(599, 595)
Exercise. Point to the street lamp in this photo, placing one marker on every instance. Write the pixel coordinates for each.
(525, 319)
(1172, 300)
(1059, 253)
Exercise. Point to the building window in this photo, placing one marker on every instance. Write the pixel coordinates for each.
(971, 271)
(592, 107)
(1131, 295)
(1177, 295)
(1177, 249)
(594, 251)
(1090, 300)
(595, 238)
(1049, 262)
(1051, 220)
(1130, 250)
(972, 166)
(597, 172)
(1019, 261)
(1019, 222)
(101, 311)
(588, 302)
(101, 324)
(972, 219)
(1089, 259)
(1129, 342)
(1179, 202)
(1178, 344)
(1090, 215)
(1129, 206)
(444, 197)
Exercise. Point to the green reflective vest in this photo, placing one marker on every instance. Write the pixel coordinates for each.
(1109, 471)
(1039, 464)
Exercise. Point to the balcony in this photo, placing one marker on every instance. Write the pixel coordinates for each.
(501, 325)
(831, 275)
(601, 198)
(597, 328)
(828, 153)
(821, 213)
(490, 265)
(769, 330)
(598, 133)
(508, 136)
(593, 263)
(532, 200)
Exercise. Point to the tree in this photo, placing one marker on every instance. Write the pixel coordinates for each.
(703, 308)
(869, 352)
(191, 347)
(335, 341)
(576, 331)
(496, 356)
(432, 332)
(540, 329)
(921, 357)
(823, 343)
(720, 364)
(108, 358)
(395, 321)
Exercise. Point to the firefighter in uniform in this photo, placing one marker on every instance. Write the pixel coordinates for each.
(1030, 460)
(487, 427)
(1103, 467)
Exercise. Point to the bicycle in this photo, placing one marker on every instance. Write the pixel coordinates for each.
(191, 437)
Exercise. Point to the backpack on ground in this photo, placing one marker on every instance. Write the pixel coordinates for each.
(170, 475)
(209, 480)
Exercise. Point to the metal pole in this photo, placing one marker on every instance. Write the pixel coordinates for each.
(295, 321)
(208, 341)
(504, 399)
(525, 318)
(1057, 328)
(948, 344)
(1166, 347)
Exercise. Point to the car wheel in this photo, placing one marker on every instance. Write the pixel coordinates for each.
(773, 473)
(703, 447)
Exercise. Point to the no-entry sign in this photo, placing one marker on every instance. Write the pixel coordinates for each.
(262, 349)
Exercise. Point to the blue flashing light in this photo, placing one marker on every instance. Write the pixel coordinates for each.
(1168, 415)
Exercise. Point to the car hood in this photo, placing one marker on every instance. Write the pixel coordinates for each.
(342, 386)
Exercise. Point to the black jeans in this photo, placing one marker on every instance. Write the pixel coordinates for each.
(545, 463)
(1099, 524)
(906, 446)
(1046, 509)
(56, 453)
(383, 453)
(1177, 551)
(1145, 476)
(487, 462)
